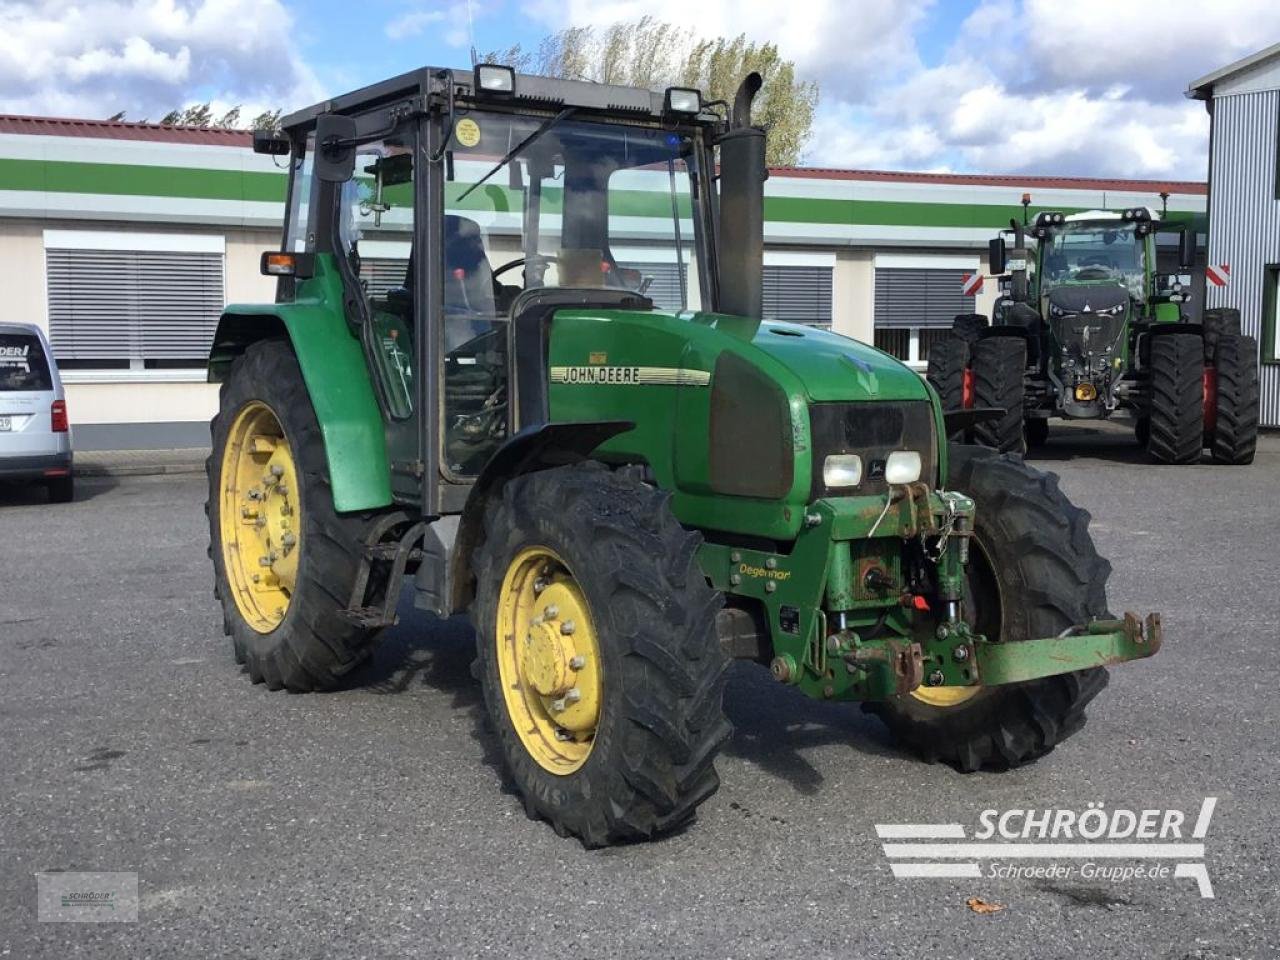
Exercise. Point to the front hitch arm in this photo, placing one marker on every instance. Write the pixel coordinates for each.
(1100, 643)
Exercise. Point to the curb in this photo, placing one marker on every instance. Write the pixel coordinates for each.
(137, 469)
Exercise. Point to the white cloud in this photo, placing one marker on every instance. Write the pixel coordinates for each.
(1092, 87)
(849, 47)
(450, 21)
(145, 57)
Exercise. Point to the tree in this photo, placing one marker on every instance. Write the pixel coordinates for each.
(650, 53)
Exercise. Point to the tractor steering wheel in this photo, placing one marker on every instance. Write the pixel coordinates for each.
(539, 259)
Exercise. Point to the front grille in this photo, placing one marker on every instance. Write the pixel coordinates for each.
(873, 431)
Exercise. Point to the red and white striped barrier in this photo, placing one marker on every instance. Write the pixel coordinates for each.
(1219, 274)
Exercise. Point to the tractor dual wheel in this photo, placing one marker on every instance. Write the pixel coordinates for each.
(1177, 421)
(597, 653)
(284, 560)
(969, 326)
(948, 373)
(999, 366)
(1033, 572)
(1234, 379)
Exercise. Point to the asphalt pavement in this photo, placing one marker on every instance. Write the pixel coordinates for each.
(372, 822)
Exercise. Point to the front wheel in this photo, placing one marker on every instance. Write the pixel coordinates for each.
(597, 653)
(1033, 571)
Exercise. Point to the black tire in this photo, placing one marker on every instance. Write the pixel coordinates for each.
(969, 326)
(1142, 431)
(1217, 323)
(1235, 432)
(62, 489)
(999, 364)
(1037, 431)
(313, 647)
(662, 721)
(1177, 398)
(1033, 554)
(948, 362)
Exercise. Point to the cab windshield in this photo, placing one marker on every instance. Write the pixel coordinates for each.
(1094, 253)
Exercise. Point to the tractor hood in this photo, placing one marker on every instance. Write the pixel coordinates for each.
(1088, 298)
(831, 367)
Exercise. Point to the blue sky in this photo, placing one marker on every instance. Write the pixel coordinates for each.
(1091, 87)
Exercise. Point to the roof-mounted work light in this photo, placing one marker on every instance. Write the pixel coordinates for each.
(683, 100)
(495, 78)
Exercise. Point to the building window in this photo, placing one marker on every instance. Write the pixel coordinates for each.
(798, 293)
(916, 300)
(1271, 315)
(132, 301)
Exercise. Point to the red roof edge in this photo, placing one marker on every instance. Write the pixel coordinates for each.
(123, 130)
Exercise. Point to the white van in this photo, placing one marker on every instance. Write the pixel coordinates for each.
(35, 439)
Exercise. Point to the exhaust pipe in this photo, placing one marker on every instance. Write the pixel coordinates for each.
(741, 227)
(1018, 278)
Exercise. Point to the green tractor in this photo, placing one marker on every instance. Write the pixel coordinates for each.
(464, 383)
(1090, 330)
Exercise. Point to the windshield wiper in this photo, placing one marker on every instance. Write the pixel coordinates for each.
(542, 129)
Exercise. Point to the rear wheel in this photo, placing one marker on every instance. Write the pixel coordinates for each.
(969, 326)
(1219, 322)
(947, 371)
(1033, 572)
(284, 561)
(596, 649)
(1177, 398)
(1235, 423)
(999, 364)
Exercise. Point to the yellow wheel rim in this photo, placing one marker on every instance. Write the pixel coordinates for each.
(548, 660)
(945, 696)
(260, 517)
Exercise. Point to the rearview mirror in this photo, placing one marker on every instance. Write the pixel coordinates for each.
(1187, 247)
(996, 256)
(335, 148)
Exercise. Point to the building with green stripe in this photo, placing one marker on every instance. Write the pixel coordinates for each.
(123, 240)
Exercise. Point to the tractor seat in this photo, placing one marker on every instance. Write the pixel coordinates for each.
(468, 278)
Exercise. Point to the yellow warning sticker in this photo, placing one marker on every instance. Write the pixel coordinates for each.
(467, 131)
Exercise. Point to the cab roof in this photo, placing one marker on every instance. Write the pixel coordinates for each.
(534, 92)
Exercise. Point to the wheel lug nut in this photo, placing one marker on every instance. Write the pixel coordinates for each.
(539, 585)
(277, 470)
(567, 628)
(551, 611)
(578, 662)
(935, 679)
(558, 706)
(961, 653)
(574, 695)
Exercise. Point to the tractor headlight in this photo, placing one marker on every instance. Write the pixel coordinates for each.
(903, 466)
(842, 470)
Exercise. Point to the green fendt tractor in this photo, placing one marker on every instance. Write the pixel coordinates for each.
(1090, 329)
(463, 380)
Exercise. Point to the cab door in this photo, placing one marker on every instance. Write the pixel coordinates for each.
(376, 228)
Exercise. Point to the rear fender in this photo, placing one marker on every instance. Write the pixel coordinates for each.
(337, 378)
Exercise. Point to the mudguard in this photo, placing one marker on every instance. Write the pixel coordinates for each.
(337, 378)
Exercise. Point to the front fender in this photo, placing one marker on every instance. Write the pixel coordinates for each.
(337, 378)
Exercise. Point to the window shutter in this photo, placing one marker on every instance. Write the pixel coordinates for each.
(133, 304)
(665, 289)
(798, 294)
(381, 274)
(915, 297)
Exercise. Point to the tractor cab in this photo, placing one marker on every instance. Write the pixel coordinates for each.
(460, 208)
